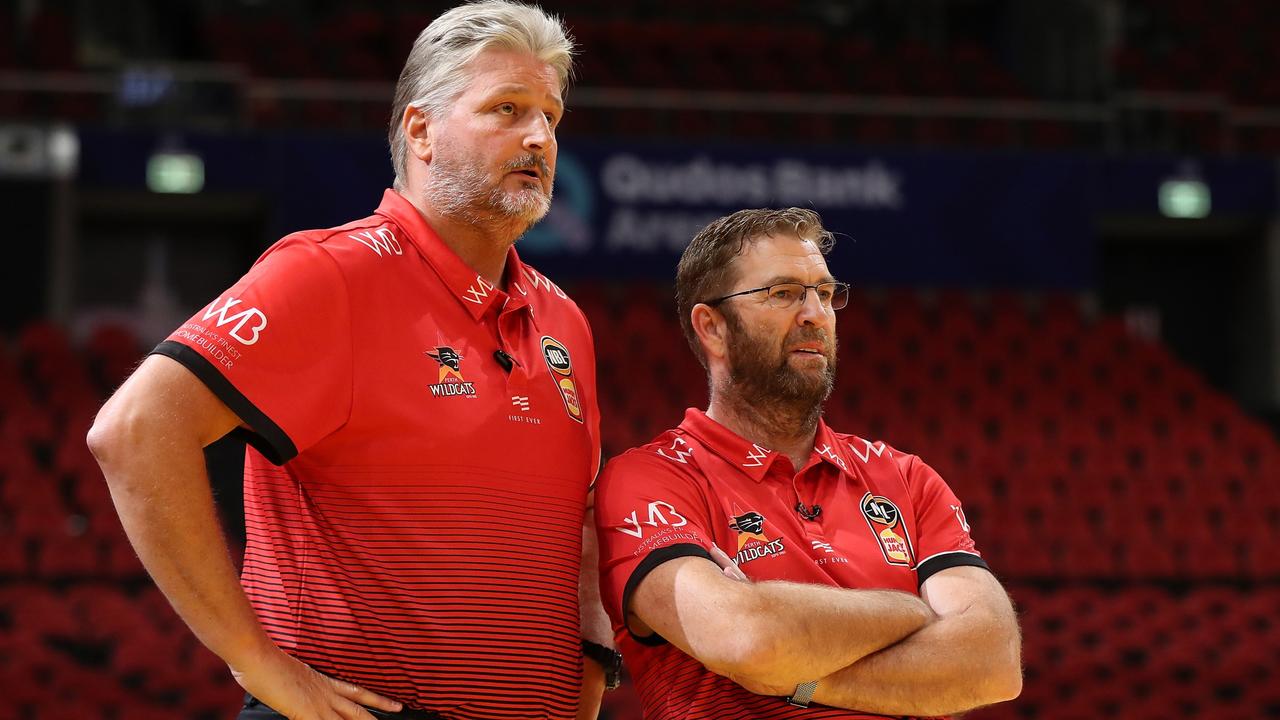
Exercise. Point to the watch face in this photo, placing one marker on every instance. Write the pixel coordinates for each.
(612, 671)
(612, 679)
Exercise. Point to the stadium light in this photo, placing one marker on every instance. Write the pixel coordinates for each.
(64, 151)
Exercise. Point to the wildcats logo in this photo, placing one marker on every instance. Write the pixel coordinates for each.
(450, 383)
(561, 367)
(753, 544)
(885, 521)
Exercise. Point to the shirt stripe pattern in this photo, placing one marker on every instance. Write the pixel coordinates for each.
(413, 585)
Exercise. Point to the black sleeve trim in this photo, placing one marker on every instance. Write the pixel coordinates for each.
(267, 437)
(937, 563)
(646, 566)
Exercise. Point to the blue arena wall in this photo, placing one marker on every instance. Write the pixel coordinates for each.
(624, 209)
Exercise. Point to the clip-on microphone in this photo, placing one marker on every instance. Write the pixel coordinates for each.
(809, 513)
(503, 359)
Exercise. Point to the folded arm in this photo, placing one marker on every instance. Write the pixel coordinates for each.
(969, 657)
(775, 633)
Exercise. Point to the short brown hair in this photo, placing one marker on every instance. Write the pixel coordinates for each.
(706, 267)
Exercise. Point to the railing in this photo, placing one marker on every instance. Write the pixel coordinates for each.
(220, 95)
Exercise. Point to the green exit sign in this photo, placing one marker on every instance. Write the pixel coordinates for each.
(1184, 199)
(169, 172)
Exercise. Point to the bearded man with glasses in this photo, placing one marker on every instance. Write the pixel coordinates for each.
(753, 560)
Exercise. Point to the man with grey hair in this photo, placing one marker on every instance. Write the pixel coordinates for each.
(422, 422)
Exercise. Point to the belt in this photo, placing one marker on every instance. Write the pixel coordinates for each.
(407, 713)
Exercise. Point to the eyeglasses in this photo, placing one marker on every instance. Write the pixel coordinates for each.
(832, 295)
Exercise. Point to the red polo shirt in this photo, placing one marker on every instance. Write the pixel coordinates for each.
(413, 502)
(887, 520)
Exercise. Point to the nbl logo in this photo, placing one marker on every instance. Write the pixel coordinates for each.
(880, 510)
(558, 362)
(885, 522)
(557, 357)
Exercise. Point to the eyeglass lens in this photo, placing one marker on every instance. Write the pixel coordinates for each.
(833, 295)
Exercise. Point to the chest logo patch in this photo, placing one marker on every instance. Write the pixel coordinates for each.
(753, 543)
(885, 521)
(450, 382)
(561, 367)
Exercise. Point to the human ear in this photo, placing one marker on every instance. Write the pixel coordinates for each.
(418, 132)
(712, 330)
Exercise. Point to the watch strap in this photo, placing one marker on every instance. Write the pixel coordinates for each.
(608, 659)
(803, 694)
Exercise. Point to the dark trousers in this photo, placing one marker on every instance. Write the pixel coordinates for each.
(254, 710)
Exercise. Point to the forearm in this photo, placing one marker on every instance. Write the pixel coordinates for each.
(594, 620)
(161, 491)
(957, 663)
(804, 632)
(769, 634)
(595, 623)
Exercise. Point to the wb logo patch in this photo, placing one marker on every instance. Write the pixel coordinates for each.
(249, 322)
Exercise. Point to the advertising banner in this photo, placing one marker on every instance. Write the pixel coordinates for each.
(627, 209)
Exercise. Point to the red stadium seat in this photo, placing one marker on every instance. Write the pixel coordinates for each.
(1105, 483)
(62, 556)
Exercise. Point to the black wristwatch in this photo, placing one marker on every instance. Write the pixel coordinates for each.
(608, 659)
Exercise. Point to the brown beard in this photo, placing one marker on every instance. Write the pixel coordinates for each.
(763, 379)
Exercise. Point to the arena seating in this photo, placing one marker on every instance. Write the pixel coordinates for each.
(1037, 417)
(1188, 46)
(705, 47)
(1131, 509)
(1222, 49)
(82, 633)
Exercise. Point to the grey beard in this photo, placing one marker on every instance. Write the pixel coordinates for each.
(463, 192)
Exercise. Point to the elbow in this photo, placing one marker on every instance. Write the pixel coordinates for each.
(1004, 675)
(752, 653)
(1010, 675)
(1005, 684)
(110, 437)
(102, 438)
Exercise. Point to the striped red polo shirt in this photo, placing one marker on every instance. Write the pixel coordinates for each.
(422, 444)
(887, 520)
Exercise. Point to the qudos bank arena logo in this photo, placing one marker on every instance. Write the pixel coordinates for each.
(567, 227)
